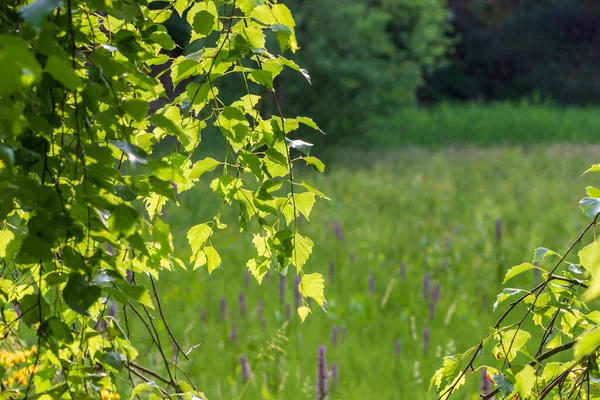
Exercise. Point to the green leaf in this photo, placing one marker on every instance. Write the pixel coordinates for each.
(137, 293)
(505, 386)
(589, 258)
(79, 295)
(63, 72)
(169, 122)
(590, 206)
(6, 237)
(315, 162)
(203, 18)
(587, 343)
(309, 122)
(518, 269)
(262, 77)
(36, 12)
(137, 108)
(302, 248)
(203, 166)
(447, 374)
(163, 39)
(135, 155)
(313, 286)
(300, 145)
(198, 235)
(304, 203)
(284, 17)
(123, 220)
(506, 293)
(144, 387)
(541, 253)
(525, 381)
(593, 168)
(115, 360)
(180, 6)
(592, 191)
(213, 258)
(254, 36)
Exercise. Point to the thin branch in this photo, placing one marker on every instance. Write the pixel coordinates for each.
(162, 316)
(538, 360)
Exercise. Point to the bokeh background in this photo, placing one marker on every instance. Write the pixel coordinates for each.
(456, 136)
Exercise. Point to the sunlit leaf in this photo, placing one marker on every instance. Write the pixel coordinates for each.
(313, 286)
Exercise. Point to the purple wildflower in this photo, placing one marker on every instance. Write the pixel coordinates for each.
(297, 294)
(129, 275)
(403, 271)
(485, 382)
(223, 308)
(334, 335)
(18, 310)
(245, 368)
(287, 312)
(371, 284)
(498, 229)
(282, 288)
(242, 300)
(233, 333)
(322, 387)
(398, 348)
(331, 271)
(425, 339)
(352, 258)
(426, 283)
(339, 231)
(334, 375)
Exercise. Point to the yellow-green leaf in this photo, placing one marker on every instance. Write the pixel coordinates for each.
(213, 258)
(313, 286)
(303, 312)
(304, 203)
(198, 235)
(202, 166)
(518, 269)
(587, 343)
(6, 237)
(302, 249)
(525, 381)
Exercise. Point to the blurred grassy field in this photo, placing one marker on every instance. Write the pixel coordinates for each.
(433, 210)
(484, 125)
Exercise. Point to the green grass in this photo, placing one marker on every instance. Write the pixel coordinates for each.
(435, 211)
(484, 125)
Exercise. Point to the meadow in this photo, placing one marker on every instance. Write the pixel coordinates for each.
(413, 244)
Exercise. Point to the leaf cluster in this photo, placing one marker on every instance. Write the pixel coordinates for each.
(83, 181)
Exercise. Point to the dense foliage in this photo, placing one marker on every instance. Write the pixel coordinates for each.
(371, 56)
(516, 48)
(84, 179)
(541, 323)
